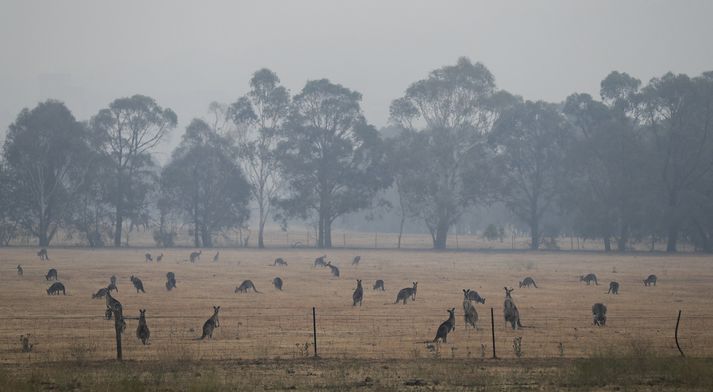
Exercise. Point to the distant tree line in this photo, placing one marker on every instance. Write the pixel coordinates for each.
(633, 165)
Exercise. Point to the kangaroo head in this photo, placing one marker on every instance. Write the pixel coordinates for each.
(520, 284)
(465, 293)
(414, 285)
(507, 292)
(216, 309)
(451, 312)
(358, 282)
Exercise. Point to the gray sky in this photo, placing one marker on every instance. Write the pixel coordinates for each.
(187, 54)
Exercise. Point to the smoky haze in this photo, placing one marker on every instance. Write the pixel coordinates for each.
(187, 54)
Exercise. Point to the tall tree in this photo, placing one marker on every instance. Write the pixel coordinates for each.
(456, 106)
(332, 160)
(9, 209)
(126, 132)
(45, 149)
(260, 114)
(204, 182)
(679, 113)
(531, 139)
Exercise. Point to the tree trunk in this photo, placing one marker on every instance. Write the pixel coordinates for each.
(320, 232)
(205, 236)
(534, 234)
(118, 226)
(672, 239)
(441, 236)
(623, 239)
(261, 227)
(401, 230)
(328, 233)
(607, 244)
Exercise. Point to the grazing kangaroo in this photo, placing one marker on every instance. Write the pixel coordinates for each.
(195, 256)
(211, 324)
(358, 295)
(148, 257)
(56, 288)
(589, 278)
(101, 293)
(277, 282)
(527, 282)
(651, 279)
(319, 261)
(474, 296)
(138, 284)
(379, 285)
(613, 288)
(51, 274)
(599, 314)
(170, 281)
(512, 315)
(333, 268)
(279, 261)
(470, 315)
(406, 293)
(43, 254)
(356, 260)
(20, 271)
(159, 257)
(142, 331)
(245, 286)
(446, 327)
(215, 258)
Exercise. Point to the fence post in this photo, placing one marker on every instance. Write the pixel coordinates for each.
(314, 329)
(492, 329)
(678, 320)
(118, 318)
(344, 239)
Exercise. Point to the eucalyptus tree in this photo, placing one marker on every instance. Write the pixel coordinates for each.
(260, 114)
(126, 133)
(45, 152)
(454, 110)
(204, 184)
(332, 160)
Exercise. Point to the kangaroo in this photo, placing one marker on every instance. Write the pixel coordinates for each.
(112, 304)
(142, 331)
(319, 261)
(43, 254)
(613, 288)
(215, 258)
(148, 257)
(446, 327)
(379, 285)
(589, 278)
(20, 271)
(159, 258)
(527, 282)
(245, 286)
(51, 274)
(599, 314)
(112, 280)
(56, 288)
(195, 256)
(333, 268)
(211, 324)
(356, 260)
(111, 287)
(512, 315)
(651, 279)
(470, 315)
(138, 284)
(406, 293)
(474, 296)
(170, 281)
(277, 282)
(101, 293)
(358, 295)
(279, 261)
(26, 345)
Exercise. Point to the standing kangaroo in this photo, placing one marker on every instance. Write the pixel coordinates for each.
(512, 315)
(51, 274)
(613, 288)
(245, 286)
(195, 256)
(170, 281)
(159, 257)
(527, 282)
(446, 327)
(147, 257)
(599, 314)
(138, 284)
(358, 295)
(56, 288)
(279, 261)
(356, 260)
(319, 261)
(406, 293)
(43, 254)
(113, 306)
(211, 324)
(20, 271)
(277, 282)
(142, 331)
(216, 257)
(379, 285)
(589, 278)
(649, 280)
(470, 315)
(333, 268)
(112, 284)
